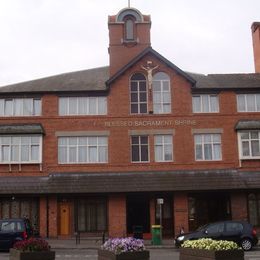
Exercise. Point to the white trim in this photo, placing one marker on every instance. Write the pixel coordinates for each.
(202, 109)
(240, 149)
(30, 144)
(245, 97)
(98, 105)
(163, 145)
(211, 147)
(139, 148)
(88, 146)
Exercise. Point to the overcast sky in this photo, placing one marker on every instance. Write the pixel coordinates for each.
(40, 38)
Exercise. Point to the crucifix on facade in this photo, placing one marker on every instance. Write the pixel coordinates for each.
(149, 69)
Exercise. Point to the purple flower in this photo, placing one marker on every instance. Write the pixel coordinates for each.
(120, 245)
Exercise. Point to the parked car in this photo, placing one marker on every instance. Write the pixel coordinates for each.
(240, 232)
(13, 230)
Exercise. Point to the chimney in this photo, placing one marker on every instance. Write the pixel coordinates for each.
(129, 35)
(256, 44)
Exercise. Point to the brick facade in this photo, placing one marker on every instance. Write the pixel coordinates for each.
(119, 125)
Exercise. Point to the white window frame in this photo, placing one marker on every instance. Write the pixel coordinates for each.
(22, 109)
(139, 103)
(246, 102)
(140, 148)
(202, 107)
(87, 146)
(30, 144)
(163, 145)
(163, 104)
(249, 140)
(99, 102)
(211, 143)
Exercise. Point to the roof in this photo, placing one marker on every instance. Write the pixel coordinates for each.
(21, 129)
(150, 50)
(247, 125)
(73, 183)
(97, 79)
(85, 80)
(226, 81)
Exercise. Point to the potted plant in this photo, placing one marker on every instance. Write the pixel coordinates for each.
(207, 248)
(32, 249)
(123, 248)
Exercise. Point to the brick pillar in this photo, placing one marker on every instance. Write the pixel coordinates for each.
(117, 216)
(43, 217)
(239, 206)
(53, 225)
(256, 44)
(180, 212)
(152, 211)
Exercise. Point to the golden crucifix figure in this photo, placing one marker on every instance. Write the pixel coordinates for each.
(149, 70)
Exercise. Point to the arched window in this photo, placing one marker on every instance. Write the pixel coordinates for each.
(254, 209)
(129, 28)
(138, 94)
(161, 93)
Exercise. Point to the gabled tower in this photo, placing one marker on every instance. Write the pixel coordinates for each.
(129, 34)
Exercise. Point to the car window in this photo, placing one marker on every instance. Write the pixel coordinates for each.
(231, 227)
(215, 228)
(19, 226)
(7, 226)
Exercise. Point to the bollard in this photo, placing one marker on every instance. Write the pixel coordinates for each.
(103, 238)
(77, 236)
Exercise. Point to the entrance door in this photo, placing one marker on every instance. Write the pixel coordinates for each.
(64, 219)
(138, 213)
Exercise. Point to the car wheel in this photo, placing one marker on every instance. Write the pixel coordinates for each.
(246, 244)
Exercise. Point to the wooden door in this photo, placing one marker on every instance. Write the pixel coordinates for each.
(64, 219)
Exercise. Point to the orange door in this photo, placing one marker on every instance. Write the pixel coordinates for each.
(64, 219)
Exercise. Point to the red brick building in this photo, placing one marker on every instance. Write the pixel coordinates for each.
(94, 150)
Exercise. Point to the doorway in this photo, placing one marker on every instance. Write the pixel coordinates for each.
(207, 208)
(64, 210)
(138, 212)
(167, 215)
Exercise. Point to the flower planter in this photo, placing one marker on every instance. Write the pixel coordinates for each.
(107, 255)
(202, 254)
(20, 255)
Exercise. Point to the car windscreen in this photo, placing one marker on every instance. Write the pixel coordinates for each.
(7, 226)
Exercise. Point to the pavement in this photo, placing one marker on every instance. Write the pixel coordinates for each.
(95, 243)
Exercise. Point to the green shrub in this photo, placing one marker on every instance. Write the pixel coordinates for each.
(210, 244)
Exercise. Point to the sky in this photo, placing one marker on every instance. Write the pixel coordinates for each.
(40, 38)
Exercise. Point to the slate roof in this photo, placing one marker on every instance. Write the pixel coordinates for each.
(73, 183)
(149, 50)
(227, 81)
(98, 79)
(85, 80)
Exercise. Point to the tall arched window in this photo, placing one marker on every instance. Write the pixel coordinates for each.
(138, 94)
(161, 93)
(129, 28)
